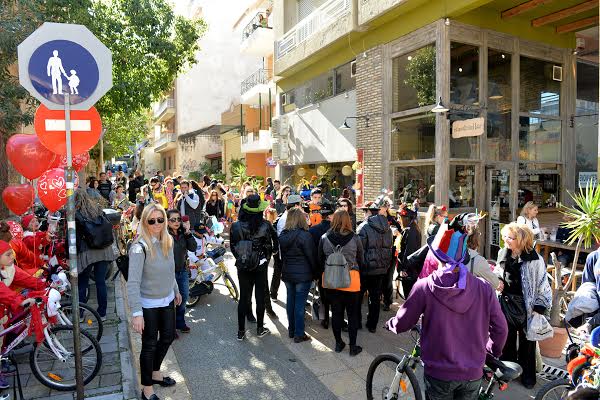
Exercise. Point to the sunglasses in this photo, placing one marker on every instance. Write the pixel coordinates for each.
(175, 219)
(157, 220)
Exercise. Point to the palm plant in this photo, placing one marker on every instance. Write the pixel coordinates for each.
(584, 222)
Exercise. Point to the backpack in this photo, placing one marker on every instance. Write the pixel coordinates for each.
(246, 259)
(123, 263)
(98, 232)
(337, 272)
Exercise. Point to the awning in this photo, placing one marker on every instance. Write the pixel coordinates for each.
(213, 130)
(213, 156)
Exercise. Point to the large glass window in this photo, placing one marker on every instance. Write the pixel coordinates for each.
(499, 106)
(413, 79)
(464, 74)
(540, 87)
(586, 122)
(344, 80)
(539, 183)
(462, 183)
(418, 182)
(414, 137)
(539, 139)
(463, 147)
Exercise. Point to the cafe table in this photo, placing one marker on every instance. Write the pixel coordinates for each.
(548, 245)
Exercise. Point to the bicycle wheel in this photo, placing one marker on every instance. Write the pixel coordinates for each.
(554, 390)
(57, 375)
(381, 375)
(233, 290)
(89, 319)
(192, 300)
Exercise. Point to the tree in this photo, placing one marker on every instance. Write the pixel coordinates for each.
(149, 43)
(420, 72)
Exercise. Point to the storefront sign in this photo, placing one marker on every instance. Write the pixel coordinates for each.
(586, 177)
(468, 127)
(360, 178)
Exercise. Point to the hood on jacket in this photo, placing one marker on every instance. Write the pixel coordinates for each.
(378, 222)
(444, 287)
(289, 237)
(337, 239)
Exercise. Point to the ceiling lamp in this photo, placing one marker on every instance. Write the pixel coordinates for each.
(439, 108)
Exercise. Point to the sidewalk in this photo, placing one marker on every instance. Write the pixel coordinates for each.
(114, 379)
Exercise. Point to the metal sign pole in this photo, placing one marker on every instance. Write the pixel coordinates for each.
(73, 250)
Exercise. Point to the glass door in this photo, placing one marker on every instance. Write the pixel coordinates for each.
(500, 206)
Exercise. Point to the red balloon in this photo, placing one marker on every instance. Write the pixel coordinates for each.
(16, 230)
(18, 198)
(52, 188)
(27, 154)
(79, 161)
(57, 162)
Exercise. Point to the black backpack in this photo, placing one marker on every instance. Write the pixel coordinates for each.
(123, 262)
(97, 233)
(246, 259)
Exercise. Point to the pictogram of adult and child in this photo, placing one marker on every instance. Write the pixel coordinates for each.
(55, 69)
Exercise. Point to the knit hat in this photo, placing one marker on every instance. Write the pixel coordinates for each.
(4, 247)
(450, 247)
(255, 205)
(294, 199)
(26, 220)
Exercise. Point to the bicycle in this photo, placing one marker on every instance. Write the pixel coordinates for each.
(394, 386)
(52, 359)
(217, 270)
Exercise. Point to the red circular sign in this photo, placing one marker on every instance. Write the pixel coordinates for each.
(86, 128)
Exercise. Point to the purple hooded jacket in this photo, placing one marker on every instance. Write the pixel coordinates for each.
(459, 325)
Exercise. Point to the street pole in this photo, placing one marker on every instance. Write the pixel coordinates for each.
(102, 169)
(73, 250)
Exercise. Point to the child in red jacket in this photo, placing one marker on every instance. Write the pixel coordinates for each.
(35, 240)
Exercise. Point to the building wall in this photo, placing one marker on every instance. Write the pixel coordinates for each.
(314, 133)
(256, 164)
(232, 149)
(192, 151)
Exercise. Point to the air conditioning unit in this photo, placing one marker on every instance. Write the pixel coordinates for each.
(275, 126)
(284, 131)
(280, 149)
(283, 99)
(353, 69)
(557, 73)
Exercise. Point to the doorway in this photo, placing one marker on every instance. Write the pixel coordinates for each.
(500, 203)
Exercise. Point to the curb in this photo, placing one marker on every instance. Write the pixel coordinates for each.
(132, 386)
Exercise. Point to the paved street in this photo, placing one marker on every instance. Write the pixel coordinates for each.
(216, 365)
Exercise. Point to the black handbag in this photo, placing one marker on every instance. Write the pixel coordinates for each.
(513, 307)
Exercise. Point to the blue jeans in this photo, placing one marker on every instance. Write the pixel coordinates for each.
(99, 269)
(297, 293)
(184, 289)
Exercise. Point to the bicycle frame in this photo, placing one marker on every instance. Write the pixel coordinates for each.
(408, 361)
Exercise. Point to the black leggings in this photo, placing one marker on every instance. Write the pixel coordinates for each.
(341, 300)
(158, 334)
(524, 354)
(248, 281)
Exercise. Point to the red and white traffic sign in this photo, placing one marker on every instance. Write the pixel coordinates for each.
(86, 129)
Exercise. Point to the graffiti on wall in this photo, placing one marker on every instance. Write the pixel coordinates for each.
(189, 165)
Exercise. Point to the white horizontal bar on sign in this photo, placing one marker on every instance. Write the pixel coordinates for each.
(80, 125)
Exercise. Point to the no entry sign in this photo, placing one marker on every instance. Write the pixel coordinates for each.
(86, 129)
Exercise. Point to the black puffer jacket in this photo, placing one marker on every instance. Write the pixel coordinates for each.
(261, 232)
(377, 240)
(409, 243)
(298, 255)
(182, 243)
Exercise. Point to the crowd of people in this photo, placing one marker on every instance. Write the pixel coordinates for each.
(315, 244)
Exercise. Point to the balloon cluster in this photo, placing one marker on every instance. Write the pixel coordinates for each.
(34, 160)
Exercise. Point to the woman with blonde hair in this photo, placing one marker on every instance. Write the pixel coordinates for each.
(299, 268)
(525, 293)
(529, 217)
(153, 294)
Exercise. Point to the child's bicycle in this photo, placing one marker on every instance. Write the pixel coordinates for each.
(52, 359)
(218, 269)
(392, 378)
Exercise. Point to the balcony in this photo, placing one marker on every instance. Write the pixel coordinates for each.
(258, 37)
(257, 86)
(164, 110)
(331, 21)
(166, 142)
(257, 142)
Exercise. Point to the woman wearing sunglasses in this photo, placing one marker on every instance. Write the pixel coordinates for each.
(183, 241)
(153, 294)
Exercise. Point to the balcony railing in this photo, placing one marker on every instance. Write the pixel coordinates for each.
(163, 106)
(317, 21)
(165, 139)
(260, 20)
(260, 77)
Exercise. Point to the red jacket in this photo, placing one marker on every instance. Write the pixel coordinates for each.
(36, 242)
(26, 259)
(9, 296)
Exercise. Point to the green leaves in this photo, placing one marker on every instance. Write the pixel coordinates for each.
(584, 217)
(421, 75)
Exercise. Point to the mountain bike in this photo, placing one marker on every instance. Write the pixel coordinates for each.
(217, 270)
(392, 378)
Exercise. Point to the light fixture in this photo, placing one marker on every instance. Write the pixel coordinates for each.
(459, 69)
(440, 108)
(447, 21)
(503, 56)
(496, 94)
(345, 126)
(409, 58)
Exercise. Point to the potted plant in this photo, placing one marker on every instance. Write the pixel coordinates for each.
(583, 219)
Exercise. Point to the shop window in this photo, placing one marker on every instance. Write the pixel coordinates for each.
(413, 138)
(586, 122)
(540, 87)
(413, 79)
(464, 74)
(344, 81)
(461, 193)
(164, 163)
(540, 184)
(539, 139)
(463, 147)
(499, 106)
(416, 182)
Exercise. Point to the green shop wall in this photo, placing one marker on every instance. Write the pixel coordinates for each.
(409, 17)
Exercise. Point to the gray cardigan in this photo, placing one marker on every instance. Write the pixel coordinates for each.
(151, 278)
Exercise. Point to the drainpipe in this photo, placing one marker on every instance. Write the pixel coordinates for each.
(270, 108)
(355, 26)
(259, 112)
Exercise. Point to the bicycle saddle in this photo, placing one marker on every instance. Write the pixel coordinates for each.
(505, 371)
